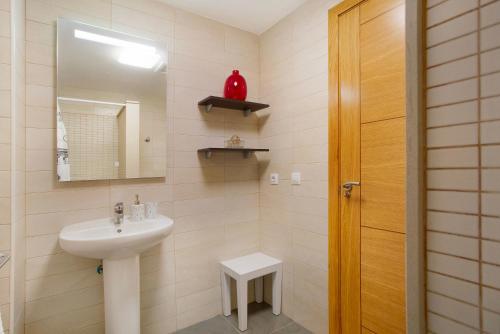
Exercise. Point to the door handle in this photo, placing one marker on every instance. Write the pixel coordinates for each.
(348, 187)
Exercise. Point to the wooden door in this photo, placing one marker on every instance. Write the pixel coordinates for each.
(367, 145)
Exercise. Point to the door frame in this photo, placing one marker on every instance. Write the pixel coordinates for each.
(415, 168)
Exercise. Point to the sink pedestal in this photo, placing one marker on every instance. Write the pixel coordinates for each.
(119, 247)
(122, 295)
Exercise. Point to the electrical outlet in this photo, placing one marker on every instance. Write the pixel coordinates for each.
(296, 178)
(274, 178)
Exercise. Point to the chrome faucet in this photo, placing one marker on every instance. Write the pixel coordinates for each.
(119, 213)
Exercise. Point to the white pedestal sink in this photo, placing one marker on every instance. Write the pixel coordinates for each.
(119, 246)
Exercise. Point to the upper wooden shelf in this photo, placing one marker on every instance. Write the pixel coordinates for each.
(220, 102)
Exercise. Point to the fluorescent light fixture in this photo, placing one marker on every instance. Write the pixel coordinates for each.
(133, 54)
(112, 41)
(138, 58)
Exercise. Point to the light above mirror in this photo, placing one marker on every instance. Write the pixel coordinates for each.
(133, 54)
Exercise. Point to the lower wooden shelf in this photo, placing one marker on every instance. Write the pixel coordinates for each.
(246, 151)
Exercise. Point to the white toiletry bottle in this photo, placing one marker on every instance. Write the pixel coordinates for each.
(137, 210)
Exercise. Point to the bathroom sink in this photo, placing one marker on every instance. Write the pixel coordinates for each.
(119, 247)
(102, 239)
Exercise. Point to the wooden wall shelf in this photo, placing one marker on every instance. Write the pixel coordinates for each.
(220, 102)
(246, 151)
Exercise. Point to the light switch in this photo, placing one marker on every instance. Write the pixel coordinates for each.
(275, 178)
(296, 178)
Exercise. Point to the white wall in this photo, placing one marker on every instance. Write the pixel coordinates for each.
(5, 155)
(294, 219)
(215, 203)
(18, 166)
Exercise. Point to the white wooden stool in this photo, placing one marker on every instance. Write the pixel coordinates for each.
(244, 269)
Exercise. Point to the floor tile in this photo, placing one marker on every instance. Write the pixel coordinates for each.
(216, 325)
(261, 319)
(292, 328)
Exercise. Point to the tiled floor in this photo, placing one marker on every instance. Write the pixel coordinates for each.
(261, 320)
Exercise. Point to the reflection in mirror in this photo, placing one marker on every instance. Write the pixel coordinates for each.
(111, 104)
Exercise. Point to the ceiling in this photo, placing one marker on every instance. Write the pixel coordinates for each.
(251, 15)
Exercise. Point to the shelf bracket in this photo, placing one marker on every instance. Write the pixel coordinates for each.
(208, 107)
(247, 112)
(246, 154)
(208, 154)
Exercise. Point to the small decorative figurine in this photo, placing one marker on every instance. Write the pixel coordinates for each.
(234, 142)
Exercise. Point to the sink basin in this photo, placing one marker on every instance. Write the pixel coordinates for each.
(119, 246)
(102, 239)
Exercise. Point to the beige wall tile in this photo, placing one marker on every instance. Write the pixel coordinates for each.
(73, 320)
(5, 5)
(5, 130)
(40, 33)
(5, 237)
(5, 71)
(58, 284)
(68, 200)
(40, 75)
(4, 290)
(5, 103)
(55, 305)
(40, 160)
(4, 50)
(40, 54)
(5, 23)
(41, 96)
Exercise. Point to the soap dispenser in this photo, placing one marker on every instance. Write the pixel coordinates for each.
(137, 210)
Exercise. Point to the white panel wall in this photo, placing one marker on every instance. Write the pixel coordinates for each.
(463, 153)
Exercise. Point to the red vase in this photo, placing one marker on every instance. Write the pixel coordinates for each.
(235, 87)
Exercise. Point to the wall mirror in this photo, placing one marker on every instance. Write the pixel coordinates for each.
(111, 104)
